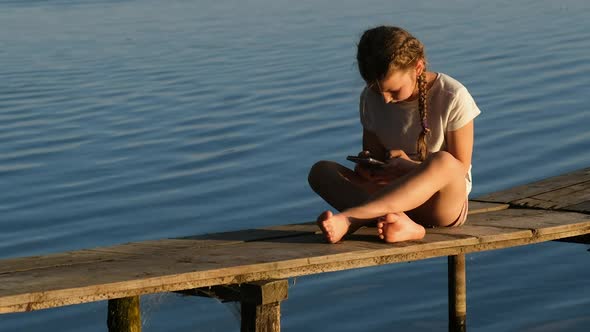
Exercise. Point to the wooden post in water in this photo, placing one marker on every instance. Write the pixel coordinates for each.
(261, 305)
(457, 294)
(260, 302)
(124, 315)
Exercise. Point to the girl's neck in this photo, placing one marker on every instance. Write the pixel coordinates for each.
(430, 78)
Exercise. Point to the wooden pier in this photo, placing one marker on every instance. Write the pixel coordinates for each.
(252, 266)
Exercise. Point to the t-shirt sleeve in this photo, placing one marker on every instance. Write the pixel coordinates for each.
(462, 110)
(365, 115)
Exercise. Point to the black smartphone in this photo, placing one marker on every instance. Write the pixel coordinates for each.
(366, 161)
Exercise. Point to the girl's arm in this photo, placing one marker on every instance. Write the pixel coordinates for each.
(460, 144)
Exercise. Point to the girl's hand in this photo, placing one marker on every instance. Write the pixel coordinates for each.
(392, 154)
(377, 175)
(364, 171)
(399, 163)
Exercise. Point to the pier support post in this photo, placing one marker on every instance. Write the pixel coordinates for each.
(261, 305)
(124, 315)
(457, 294)
(260, 302)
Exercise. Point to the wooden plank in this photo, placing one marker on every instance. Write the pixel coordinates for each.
(186, 269)
(539, 221)
(154, 246)
(102, 254)
(583, 207)
(484, 233)
(209, 240)
(476, 207)
(558, 199)
(248, 235)
(537, 188)
(69, 258)
(123, 251)
(179, 264)
(301, 228)
(259, 261)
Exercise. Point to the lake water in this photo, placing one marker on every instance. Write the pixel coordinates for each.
(131, 120)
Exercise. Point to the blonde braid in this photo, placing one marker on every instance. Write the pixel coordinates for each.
(421, 146)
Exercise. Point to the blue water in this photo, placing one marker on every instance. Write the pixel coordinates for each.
(130, 120)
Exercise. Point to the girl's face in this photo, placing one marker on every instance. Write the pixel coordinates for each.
(398, 86)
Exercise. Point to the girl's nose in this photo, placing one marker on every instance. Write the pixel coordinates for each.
(387, 98)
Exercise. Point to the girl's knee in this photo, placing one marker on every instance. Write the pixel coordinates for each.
(443, 160)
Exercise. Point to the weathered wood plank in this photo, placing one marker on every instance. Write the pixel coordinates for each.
(484, 233)
(302, 228)
(537, 188)
(558, 199)
(248, 235)
(84, 256)
(164, 274)
(155, 246)
(168, 269)
(110, 253)
(583, 207)
(539, 221)
(206, 240)
(476, 207)
(170, 265)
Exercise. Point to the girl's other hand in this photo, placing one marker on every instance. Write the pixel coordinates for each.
(363, 171)
(392, 154)
(399, 163)
(373, 174)
(365, 154)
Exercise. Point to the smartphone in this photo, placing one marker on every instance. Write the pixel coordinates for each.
(365, 161)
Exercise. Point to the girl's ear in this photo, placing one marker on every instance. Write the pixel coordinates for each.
(420, 67)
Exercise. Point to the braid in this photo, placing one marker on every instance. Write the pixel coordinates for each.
(421, 146)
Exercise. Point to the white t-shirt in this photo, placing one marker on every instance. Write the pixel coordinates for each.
(397, 125)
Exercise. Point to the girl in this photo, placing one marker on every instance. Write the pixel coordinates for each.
(421, 124)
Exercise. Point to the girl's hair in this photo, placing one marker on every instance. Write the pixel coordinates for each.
(385, 48)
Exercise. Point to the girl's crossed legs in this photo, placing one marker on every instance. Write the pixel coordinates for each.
(433, 194)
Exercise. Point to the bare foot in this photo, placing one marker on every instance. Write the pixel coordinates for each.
(333, 226)
(397, 227)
